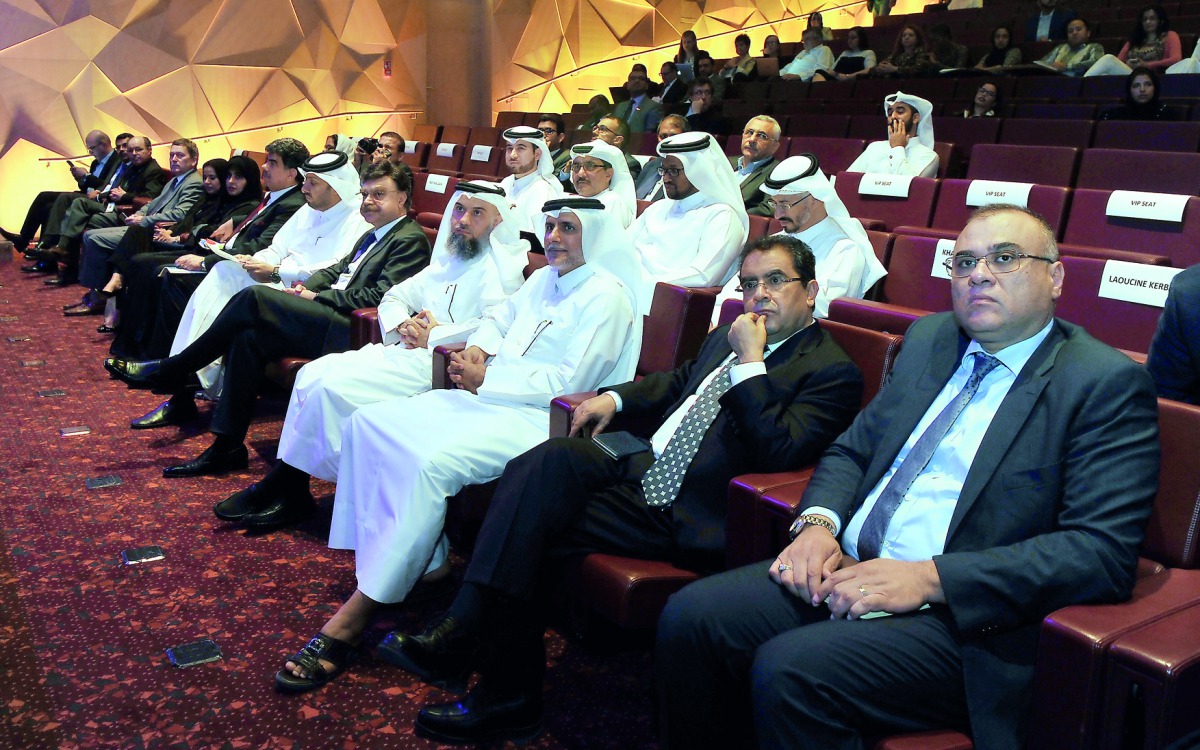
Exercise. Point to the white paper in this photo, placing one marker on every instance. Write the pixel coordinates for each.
(1137, 282)
(1131, 204)
(437, 183)
(410, 147)
(445, 150)
(889, 185)
(481, 153)
(945, 249)
(987, 192)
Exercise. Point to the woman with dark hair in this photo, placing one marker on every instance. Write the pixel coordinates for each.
(689, 49)
(1002, 54)
(857, 60)
(909, 57)
(1151, 44)
(986, 102)
(816, 22)
(741, 67)
(1141, 99)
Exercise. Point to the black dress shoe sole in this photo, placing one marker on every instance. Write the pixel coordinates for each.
(519, 734)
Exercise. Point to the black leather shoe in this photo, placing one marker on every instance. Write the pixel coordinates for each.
(167, 413)
(17, 240)
(241, 504)
(283, 511)
(105, 328)
(62, 280)
(483, 716)
(210, 462)
(443, 654)
(137, 374)
(40, 266)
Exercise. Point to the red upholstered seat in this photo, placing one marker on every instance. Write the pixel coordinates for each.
(1042, 165)
(1089, 225)
(446, 158)
(430, 192)
(916, 209)
(415, 160)
(1033, 132)
(834, 154)
(1118, 169)
(1152, 136)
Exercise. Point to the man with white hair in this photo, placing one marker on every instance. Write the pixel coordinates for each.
(909, 147)
(477, 263)
(310, 240)
(815, 56)
(532, 181)
(810, 210)
(598, 171)
(760, 143)
(693, 236)
(545, 340)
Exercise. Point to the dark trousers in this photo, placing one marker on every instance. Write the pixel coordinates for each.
(257, 326)
(39, 212)
(737, 649)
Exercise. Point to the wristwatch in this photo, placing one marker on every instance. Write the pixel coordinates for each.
(809, 519)
(275, 278)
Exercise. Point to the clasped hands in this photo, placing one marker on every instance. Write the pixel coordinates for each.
(816, 570)
(468, 368)
(414, 331)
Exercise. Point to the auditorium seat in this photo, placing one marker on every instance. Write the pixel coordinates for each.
(964, 133)
(427, 133)
(876, 316)
(870, 127)
(446, 158)
(1054, 111)
(833, 154)
(855, 108)
(1180, 85)
(916, 209)
(910, 281)
(1120, 324)
(454, 134)
(819, 126)
(951, 211)
(1088, 224)
(509, 119)
(484, 136)
(1059, 88)
(482, 160)
(1073, 133)
(415, 155)
(826, 90)
(430, 192)
(1043, 165)
(1127, 169)
(758, 228)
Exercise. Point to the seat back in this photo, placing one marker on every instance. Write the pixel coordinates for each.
(833, 154)
(1122, 169)
(915, 210)
(1031, 132)
(952, 212)
(873, 352)
(817, 126)
(965, 132)
(1120, 324)
(455, 134)
(1041, 165)
(1148, 136)
(430, 192)
(675, 328)
(1089, 224)
(446, 158)
(1048, 87)
(910, 281)
(417, 157)
(427, 133)
(877, 316)
(483, 159)
(509, 119)
(484, 136)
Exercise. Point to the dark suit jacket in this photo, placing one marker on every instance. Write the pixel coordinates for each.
(649, 177)
(1052, 510)
(752, 194)
(1174, 360)
(675, 93)
(1058, 25)
(710, 122)
(95, 182)
(144, 182)
(402, 252)
(775, 423)
(644, 119)
(258, 234)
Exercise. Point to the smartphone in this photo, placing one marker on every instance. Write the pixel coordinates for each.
(141, 555)
(71, 164)
(191, 654)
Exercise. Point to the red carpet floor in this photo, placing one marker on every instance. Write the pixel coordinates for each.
(82, 637)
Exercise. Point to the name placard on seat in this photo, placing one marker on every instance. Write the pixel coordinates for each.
(1137, 282)
(445, 150)
(886, 185)
(410, 147)
(481, 153)
(437, 183)
(987, 192)
(945, 249)
(1132, 204)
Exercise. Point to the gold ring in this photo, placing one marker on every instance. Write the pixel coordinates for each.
(862, 590)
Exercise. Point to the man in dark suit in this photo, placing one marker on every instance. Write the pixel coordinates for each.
(674, 89)
(1006, 470)
(640, 111)
(760, 141)
(648, 185)
(104, 162)
(154, 298)
(1174, 360)
(1049, 23)
(702, 114)
(261, 324)
(768, 392)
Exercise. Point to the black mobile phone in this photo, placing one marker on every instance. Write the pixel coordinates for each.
(141, 555)
(71, 164)
(191, 654)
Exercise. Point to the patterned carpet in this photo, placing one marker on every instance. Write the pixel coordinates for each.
(82, 637)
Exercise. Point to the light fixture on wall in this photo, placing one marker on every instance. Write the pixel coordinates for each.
(387, 68)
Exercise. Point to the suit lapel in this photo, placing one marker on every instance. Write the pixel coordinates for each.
(378, 247)
(1011, 415)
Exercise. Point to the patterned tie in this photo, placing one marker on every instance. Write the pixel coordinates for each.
(870, 537)
(661, 482)
(362, 246)
(249, 218)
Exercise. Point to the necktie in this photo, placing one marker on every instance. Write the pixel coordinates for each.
(661, 482)
(870, 537)
(362, 246)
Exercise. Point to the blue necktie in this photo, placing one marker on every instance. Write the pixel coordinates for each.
(870, 536)
(362, 246)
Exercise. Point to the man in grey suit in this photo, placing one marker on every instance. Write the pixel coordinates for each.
(1006, 470)
(760, 141)
(172, 204)
(640, 111)
(648, 185)
(1174, 360)
(261, 324)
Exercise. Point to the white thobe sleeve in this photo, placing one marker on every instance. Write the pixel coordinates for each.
(491, 294)
(497, 321)
(720, 239)
(825, 58)
(398, 304)
(291, 271)
(839, 274)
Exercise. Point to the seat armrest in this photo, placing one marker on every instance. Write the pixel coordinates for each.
(562, 409)
(441, 361)
(364, 327)
(760, 510)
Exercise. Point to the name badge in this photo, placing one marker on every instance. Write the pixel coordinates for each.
(887, 185)
(437, 183)
(410, 147)
(945, 249)
(445, 150)
(481, 153)
(987, 192)
(1137, 282)
(1130, 204)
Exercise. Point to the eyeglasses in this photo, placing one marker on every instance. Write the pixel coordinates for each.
(774, 203)
(986, 91)
(598, 128)
(590, 166)
(774, 282)
(375, 196)
(757, 135)
(549, 131)
(671, 172)
(1001, 261)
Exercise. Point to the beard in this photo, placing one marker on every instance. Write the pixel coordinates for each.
(463, 247)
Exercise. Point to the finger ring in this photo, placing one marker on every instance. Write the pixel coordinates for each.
(862, 590)
(784, 567)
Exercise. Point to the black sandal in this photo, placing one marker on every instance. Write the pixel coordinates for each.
(321, 646)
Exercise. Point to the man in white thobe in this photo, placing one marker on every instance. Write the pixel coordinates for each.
(810, 210)
(693, 236)
(315, 237)
(598, 170)
(815, 56)
(532, 181)
(477, 263)
(909, 147)
(571, 327)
